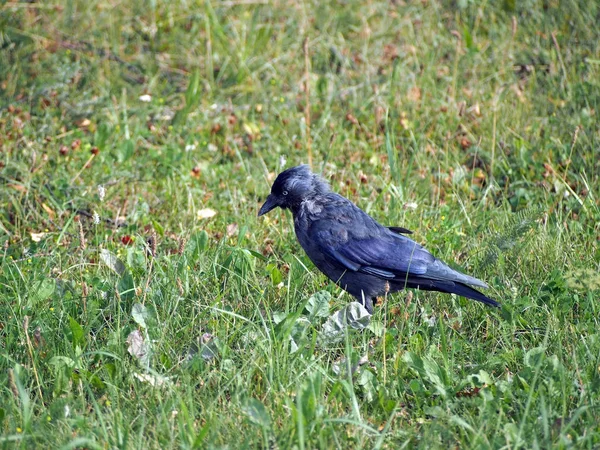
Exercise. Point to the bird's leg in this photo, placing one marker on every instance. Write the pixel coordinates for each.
(367, 303)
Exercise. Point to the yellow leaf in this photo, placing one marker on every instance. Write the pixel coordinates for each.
(50, 211)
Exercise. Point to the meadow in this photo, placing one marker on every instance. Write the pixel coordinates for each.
(143, 305)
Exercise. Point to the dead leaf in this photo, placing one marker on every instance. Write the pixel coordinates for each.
(83, 123)
(137, 347)
(153, 380)
(475, 109)
(350, 118)
(49, 210)
(404, 123)
(414, 94)
(17, 187)
(390, 52)
(232, 229)
(411, 49)
(206, 213)
(37, 237)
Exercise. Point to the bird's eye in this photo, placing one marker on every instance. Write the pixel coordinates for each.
(285, 192)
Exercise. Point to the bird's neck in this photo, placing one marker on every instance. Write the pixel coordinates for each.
(308, 206)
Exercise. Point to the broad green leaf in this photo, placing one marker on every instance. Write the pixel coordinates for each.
(77, 332)
(275, 274)
(44, 290)
(534, 356)
(139, 313)
(126, 286)
(257, 413)
(112, 261)
(62, 361)
(318, 304)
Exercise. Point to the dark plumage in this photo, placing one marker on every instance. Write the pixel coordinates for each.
(353, 250)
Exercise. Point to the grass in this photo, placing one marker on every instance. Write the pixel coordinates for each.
(473, 123)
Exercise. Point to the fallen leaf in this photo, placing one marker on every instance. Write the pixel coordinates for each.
(354, 315)
(37, 237)
(83, 123)
(232, 229)
(414, 94)
(350, 118)
(49, 210)
(475, 109)
(137, 347)
(152, 379)
(206, 213)
(390, 52)
(17, 187)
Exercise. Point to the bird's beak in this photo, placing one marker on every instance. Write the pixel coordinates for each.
(270, 204)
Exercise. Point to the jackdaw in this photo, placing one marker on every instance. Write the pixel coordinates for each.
(363, 257)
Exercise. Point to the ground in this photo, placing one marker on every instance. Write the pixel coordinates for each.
(143, 303)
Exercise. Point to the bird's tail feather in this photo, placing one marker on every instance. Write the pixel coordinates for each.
(448, 287)
(466, 291)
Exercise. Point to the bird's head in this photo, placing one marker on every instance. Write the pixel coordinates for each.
(292, 187)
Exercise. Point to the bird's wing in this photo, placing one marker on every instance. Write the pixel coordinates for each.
(382, 256)
(351, 237)
(359, 243)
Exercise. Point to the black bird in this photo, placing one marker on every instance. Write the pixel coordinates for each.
(354, 250)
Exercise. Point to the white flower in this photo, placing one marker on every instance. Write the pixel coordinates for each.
(96, 218)
(190, 147)
(101, 192)
(146, 98)
(282, 161)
